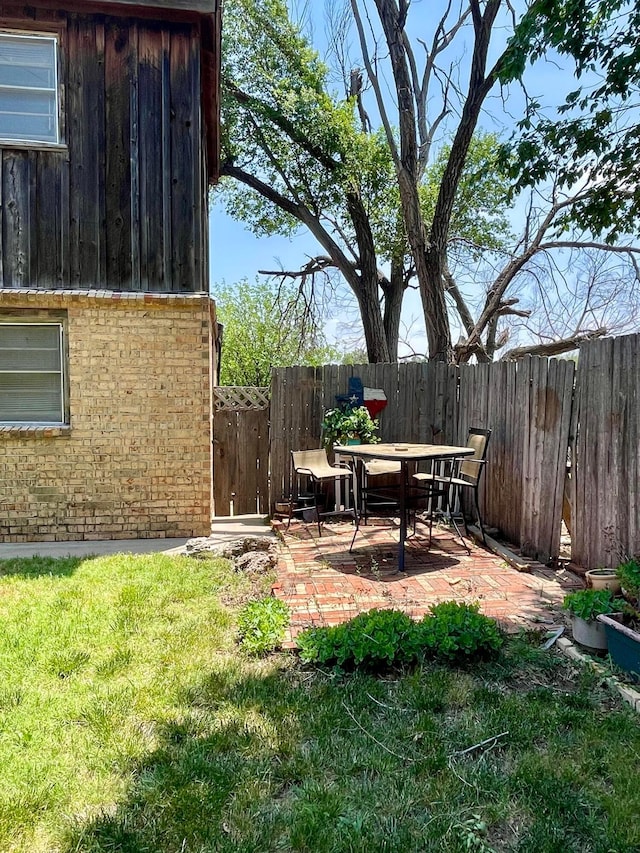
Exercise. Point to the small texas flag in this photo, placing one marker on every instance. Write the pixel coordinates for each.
(375, 400)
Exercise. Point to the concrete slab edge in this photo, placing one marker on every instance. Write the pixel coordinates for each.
(628, 694)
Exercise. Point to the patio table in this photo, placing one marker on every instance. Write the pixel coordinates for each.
(404, 453)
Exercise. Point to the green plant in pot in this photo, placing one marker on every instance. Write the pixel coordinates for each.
(623, 628)
(629, 576)
(349, 425)
(584, 607)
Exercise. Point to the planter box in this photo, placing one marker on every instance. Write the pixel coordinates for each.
(624, 644)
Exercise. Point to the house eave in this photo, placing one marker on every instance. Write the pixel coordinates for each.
(201, 7)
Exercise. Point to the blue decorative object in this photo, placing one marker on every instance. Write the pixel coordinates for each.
(355, 396)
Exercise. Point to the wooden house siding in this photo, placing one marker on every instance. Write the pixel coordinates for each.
(121, 204)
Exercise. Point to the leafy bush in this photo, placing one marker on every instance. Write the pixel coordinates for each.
(262, 624)
(344, 423)
(629, 575)
(389, 637)
(455, 632)
(373, 638)
(589, 603)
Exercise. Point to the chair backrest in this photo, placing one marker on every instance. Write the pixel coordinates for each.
(309, 459)
(472, 466)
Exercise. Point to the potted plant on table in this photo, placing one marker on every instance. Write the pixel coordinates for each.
(348, 425)
(623, 627)
(584, 607)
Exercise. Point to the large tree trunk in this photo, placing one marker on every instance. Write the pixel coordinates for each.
(431, 289)
(367, 291)
(429, 251)
(393, 289)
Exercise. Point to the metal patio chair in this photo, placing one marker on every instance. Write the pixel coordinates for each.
(378, 497)
(464, 473)
(314, 465)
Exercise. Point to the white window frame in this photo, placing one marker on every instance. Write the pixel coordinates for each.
(51, 37)
(62, 374)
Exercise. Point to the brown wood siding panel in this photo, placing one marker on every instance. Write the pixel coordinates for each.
(125, 206)
(86, 129)
(151, 165)
(202, 6)
(48, 268)
(2, 222)
(184, 137)
(118, 72)
(16, 220)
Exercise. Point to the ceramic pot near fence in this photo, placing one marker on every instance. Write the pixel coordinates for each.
(603, 579)
(589, 633)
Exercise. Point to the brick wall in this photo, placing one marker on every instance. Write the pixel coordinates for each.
(135, 461)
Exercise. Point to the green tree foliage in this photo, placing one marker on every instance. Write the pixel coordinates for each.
(296, 154)
(300, 156)
(265, 326)
(596, 141)
(419, 55)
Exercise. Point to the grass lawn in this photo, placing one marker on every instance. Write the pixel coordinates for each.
(129, 721)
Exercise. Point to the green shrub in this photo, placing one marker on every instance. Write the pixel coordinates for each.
(629, 576)
(589, 603)
(379, 638)
(456, 632)
(371, 639)
(262, 624)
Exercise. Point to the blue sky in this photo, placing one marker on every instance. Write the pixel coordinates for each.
(236, 253)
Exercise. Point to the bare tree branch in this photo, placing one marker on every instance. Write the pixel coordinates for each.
(554, 347)
(318, 264)
(507, 275)
(375, 83)
(355, 91)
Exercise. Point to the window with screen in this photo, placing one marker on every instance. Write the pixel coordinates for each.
(31, 373)
(28, 88)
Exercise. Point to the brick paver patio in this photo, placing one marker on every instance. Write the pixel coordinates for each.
(324, 584)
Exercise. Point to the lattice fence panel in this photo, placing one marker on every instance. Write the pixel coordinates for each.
(240, 398)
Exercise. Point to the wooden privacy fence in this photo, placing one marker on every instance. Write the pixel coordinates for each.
(538, 409)
(240, 450)
(605, 491)
(527, 404)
